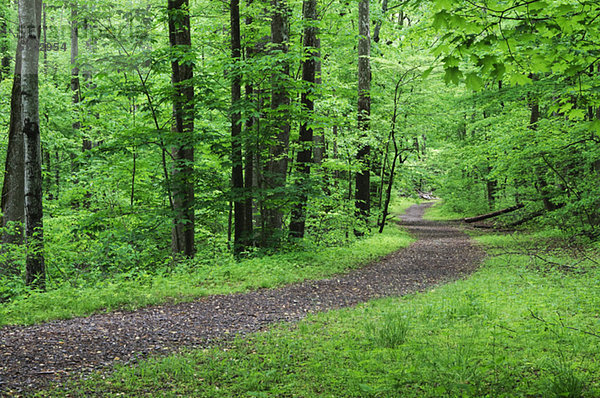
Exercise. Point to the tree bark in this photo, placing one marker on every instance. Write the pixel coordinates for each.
(298, 222)
(276, 166)
(237, 171)
(363, 181)
(75, 86)
(13, 188)
(30, 28)
(182, 240)
(379, 23)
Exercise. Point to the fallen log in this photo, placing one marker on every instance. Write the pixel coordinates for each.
(492, 214)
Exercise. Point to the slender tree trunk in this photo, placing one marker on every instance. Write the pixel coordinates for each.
(319, 136)
(86, 142)
(379, 23)
(249, 144)
(392, 138)
(30, 27)
(237, 171)
(13, 189)
(276, 166)
(75, 86)
(182, 241)
(363, 181)
(298, 222)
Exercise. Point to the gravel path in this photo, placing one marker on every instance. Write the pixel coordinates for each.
(33, 356)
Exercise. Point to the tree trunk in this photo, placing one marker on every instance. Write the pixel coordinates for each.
(237, 171)
(250, 153)
(542, 185)
(277, 163)
(363, 181)
(13, 189)
(319, 136)
(298, 222)
(75, 87)
(182, 241)
(377, 29)
(30, 27)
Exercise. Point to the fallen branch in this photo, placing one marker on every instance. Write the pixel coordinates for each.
(492, 214)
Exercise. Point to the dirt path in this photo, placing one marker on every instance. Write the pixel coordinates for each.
(31, 357)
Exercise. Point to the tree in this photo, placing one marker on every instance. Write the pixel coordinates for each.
(13, 188)
(183, 127)
(237, 176)
(275, 173)
(298, 222)
(30, 30)
(363, 181)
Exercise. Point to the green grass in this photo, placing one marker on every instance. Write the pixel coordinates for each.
(224, 275)
(440, 212)
(516, 328)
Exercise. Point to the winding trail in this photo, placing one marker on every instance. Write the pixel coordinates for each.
(33, 356)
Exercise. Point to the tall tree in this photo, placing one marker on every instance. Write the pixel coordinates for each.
(75, 84)
(298, 222)
(182, 241)
(30, 30)
(13, 189)
(237, 172)
(363, 178)
(277, 163)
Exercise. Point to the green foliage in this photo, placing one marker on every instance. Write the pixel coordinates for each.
(474, 337)
(133, 286)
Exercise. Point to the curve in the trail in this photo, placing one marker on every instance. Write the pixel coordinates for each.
(33, 356)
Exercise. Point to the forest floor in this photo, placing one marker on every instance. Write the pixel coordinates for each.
(39, 355)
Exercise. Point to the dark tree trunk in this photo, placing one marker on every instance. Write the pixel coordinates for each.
(13, 189)
(363, 181)
(249, 176)
(277, 163)
(250, 153)
(377, 29)
(237, 171)
(542, 185)
(75, 87)
(392, 137)
(298, 221)
(30, 27)
(182, 241)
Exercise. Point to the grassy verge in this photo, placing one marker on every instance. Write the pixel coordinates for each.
(520, 326)
(439, 212)
(224, 275)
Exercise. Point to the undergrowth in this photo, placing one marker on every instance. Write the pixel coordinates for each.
(202, 276)
(510, 330)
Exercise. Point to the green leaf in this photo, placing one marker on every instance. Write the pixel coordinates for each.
(451, 61)
(595, 126)
(519, 79)
(427, 72)
(453, 75)
(440, 20)
(473, 81)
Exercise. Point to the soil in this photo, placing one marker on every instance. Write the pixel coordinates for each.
(33, 357)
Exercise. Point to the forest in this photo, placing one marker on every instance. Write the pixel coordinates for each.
(160, 151)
